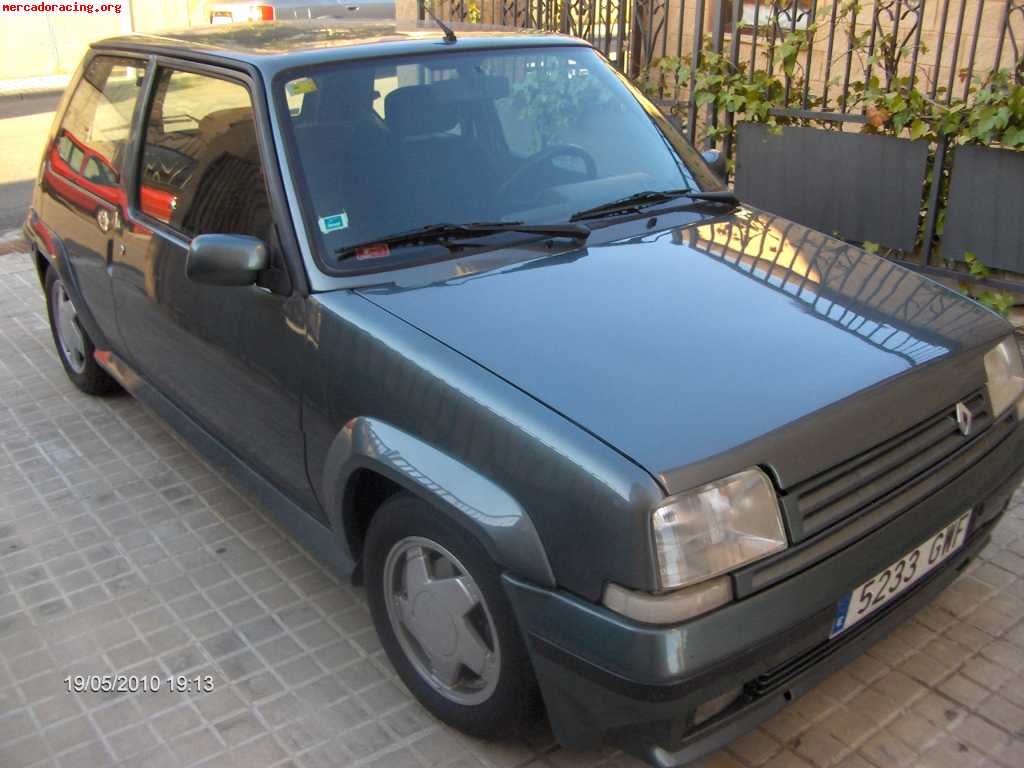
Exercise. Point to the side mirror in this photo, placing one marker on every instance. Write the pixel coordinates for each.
(226, 259)
(716, 161)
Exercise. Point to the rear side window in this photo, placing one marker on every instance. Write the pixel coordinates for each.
(75, 161)
(99, 116)
(201, 169)
(64, 146)
(98, 173)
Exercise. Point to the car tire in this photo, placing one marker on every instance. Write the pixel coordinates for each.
(501, 698)
(75, 352)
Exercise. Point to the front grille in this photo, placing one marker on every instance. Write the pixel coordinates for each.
(912, 465)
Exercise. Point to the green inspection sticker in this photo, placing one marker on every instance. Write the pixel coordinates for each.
(333, 223)
(300, 86)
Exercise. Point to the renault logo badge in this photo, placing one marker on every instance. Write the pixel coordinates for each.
(964, 418)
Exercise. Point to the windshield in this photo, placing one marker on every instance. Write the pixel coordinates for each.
(529, 135)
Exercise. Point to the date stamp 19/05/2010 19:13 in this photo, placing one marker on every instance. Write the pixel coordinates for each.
(138, 683)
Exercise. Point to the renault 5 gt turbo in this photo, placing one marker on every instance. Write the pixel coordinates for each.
(483, 330)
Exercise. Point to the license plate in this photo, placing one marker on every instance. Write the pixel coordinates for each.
(886, 586)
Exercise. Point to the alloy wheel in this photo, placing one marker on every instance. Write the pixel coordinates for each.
(69, 331)
(441, 620)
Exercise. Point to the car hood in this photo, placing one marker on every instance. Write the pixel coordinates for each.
(682, 344)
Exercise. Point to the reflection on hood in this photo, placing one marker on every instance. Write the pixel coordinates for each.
(876, 299)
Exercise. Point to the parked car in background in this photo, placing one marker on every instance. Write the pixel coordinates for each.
(85, 178)
(239, 11)
(485, 332)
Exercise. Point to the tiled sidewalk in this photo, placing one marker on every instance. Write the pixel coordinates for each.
(121, 551)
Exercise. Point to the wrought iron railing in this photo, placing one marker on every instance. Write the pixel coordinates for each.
(942, 46)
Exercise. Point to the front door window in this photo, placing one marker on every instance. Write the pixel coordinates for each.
(201, 169)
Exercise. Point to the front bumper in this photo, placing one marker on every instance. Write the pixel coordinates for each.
(607, 678)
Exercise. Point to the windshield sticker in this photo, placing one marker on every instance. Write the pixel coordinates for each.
(300, 86)
(333, 222)
(378, 251)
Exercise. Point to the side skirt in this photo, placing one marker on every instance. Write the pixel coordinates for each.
(318, 539)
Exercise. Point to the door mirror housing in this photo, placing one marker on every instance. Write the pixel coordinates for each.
(226, 259)
(716, 162)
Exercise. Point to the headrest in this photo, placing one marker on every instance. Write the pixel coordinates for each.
(415, 110)
(215, 123)
(342, 94)
(419, 109)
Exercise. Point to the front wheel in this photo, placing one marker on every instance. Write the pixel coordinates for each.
(74, 347)
(445, 622)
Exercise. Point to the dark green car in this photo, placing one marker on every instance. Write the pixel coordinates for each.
(482, 329)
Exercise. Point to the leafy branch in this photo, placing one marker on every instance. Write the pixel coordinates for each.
(991, 114)
(998, 301)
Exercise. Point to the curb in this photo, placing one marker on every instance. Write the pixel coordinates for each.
(36, 86)
(20, 95)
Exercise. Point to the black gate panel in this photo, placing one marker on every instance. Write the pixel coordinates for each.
(985, 214)
(851, 185)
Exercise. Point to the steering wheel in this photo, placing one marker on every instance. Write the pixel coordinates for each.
(544, 157)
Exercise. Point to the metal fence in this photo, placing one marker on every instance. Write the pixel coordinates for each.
(941, 46)
(620, 29)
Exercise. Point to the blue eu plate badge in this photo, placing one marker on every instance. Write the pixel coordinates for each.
(333, 222)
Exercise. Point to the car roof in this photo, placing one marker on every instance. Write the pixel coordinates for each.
(277, 45)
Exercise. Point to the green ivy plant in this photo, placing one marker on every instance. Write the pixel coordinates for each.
(995, 114)
(747, 93)
(998, 301)
(725, 86)
(992, 114)
(549, 94)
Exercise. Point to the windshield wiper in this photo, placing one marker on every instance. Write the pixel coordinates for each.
(649, 197)
(440, 233)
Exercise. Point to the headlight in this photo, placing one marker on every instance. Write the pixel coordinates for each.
(1005, 373)
(717, 528)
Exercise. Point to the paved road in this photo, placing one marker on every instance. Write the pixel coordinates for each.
(24, 124)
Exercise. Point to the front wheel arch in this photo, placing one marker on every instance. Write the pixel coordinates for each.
(369, 451)
(365, 494)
